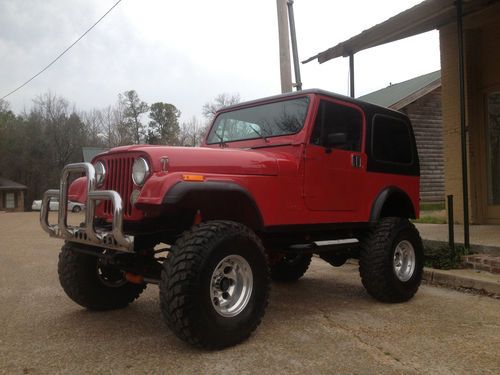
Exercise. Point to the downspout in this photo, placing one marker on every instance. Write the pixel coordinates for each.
(463, 128)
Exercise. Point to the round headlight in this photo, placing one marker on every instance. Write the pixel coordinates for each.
(100, 173)
(140, 171)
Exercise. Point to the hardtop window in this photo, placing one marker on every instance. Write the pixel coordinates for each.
(337, 126)
(391, 140)
(266, 120)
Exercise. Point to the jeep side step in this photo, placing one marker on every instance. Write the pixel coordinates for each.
(326, 246)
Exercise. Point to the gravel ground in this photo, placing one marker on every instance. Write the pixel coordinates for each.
(324, 324)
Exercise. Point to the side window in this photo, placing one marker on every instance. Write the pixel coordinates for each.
(391, 140)
(338, 127)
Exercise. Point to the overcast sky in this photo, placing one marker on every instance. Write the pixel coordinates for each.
(187, 52)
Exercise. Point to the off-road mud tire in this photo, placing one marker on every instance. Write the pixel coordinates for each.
(78, 275)
(185, 298)
(376, 260)
(291, 267)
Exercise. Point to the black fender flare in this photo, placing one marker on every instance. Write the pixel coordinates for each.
(216, 200)
(386, 194)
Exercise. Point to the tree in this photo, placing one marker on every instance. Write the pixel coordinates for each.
(35, 146)
(164, 124)
(7, 119)
(94, 126)
(221, 101)
(133, 109)
(6, 116)
(191, 133)
(63, 129)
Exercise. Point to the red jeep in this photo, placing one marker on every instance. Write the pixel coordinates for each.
(275, 181)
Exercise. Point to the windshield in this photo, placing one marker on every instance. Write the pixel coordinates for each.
(262, 121)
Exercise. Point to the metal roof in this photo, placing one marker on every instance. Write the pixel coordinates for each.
(426, 16)
(401, 94)
(90, 152)
(10, 185)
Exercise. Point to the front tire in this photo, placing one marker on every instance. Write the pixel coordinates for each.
(215, 285)
(391, 260)
(92, 284)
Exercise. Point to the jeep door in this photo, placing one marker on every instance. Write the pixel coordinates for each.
(334, 161)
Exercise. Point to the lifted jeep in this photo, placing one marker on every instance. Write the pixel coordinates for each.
(275, 181)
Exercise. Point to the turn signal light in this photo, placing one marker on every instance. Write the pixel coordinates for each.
(133, 278)
(193, 177)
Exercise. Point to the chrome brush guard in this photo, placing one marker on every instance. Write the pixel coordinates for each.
(86, 233)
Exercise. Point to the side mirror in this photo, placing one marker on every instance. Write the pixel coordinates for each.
(336, 139)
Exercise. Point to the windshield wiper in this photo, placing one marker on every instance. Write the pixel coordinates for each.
(259, 134)
(221, 143)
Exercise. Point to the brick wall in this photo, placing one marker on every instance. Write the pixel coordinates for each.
(425, 115)
(481, 33)
(19, 197)
(20, 200)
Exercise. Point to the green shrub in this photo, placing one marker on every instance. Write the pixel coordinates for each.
(444, 257)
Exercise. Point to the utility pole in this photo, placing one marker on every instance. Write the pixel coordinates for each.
(351, 74)
(284, 44)
(296, 64)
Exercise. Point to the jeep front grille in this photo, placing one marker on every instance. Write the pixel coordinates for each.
(119, 179)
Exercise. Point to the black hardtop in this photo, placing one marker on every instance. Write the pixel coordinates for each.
(371, 111)
(368, 108)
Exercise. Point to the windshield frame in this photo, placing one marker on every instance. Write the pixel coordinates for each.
(265, 136)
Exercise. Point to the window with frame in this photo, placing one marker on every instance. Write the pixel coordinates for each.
(260, 121)
(337, 126)
(493, 147)
(391, 140)
(10, 200)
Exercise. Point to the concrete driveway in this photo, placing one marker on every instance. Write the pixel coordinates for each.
(324, 324)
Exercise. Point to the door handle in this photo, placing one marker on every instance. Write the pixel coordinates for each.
(356, 160)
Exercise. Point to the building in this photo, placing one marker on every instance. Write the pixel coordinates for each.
(420, 99)
(469, 32)
(90, 152)
(11, 195)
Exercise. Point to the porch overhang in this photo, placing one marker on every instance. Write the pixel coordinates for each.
(426, 16)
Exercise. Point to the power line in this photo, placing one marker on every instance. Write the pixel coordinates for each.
(63, 52)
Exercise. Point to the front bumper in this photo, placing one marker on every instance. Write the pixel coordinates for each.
(86, 233)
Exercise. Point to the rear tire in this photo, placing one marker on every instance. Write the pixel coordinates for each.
(391, 260)
(215, 284)
(291, 267)
(91, 284)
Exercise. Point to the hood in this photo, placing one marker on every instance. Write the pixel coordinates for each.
(207, 160)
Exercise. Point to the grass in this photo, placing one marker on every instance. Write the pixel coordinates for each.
(430, 220)
(432, 206)
(444, 257)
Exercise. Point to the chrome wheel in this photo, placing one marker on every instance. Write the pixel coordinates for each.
(109, 276)
(231, 285)
(404, 261)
